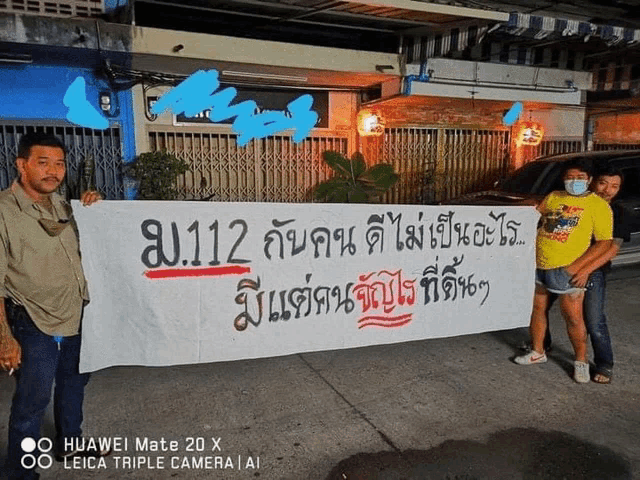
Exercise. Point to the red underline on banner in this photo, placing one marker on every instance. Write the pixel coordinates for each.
(386, 322)
(218, 271)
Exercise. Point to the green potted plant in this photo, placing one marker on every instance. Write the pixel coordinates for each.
(156, 173)
(352, 181)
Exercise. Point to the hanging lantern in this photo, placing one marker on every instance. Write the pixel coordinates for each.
(531, 134)
(370, 123)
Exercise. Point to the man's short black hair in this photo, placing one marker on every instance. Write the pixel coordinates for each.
(581, 164)
(42, 139)
(609, 171)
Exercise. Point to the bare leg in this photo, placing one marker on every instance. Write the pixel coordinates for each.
(571, 305)
(539, 320)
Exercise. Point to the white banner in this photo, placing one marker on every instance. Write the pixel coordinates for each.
(193, 282)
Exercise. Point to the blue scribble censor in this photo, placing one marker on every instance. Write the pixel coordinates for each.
(81, 112)
(196, 94)
(513, 113)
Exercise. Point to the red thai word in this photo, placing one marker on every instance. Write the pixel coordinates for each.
(380, 293)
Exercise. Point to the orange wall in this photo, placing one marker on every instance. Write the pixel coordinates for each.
(420, 111)
(617, 129)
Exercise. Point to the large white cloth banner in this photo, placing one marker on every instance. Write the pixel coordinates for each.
(191, 282)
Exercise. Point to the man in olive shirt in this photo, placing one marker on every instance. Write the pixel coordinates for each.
(42, 294)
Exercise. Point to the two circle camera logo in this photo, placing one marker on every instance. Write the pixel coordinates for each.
(29, 460)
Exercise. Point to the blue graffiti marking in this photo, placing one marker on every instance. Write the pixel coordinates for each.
(512, 115)
(191, 96)
(195, 94)
(81, 112)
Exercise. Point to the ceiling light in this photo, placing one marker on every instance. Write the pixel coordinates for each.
(15, 58)
(264, 76)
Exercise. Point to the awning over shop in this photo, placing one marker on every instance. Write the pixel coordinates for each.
(541, 27)
(536, 28)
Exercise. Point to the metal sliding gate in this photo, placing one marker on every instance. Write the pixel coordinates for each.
(615, 146)
(550, 147)
(94, 157)
(470, 160)
(271, 169)
(436, 164)
(413, 152)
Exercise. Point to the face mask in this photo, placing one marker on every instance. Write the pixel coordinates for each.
(576, 187)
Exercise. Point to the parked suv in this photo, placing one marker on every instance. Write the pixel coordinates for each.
(534, 181)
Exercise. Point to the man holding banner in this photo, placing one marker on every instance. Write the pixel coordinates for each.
(569, 221)
(43, 292)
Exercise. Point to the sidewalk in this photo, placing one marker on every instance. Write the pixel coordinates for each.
(452, 408)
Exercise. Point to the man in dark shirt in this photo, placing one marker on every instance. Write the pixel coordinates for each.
(607, 184)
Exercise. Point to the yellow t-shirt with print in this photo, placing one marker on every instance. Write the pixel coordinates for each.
(567, 225)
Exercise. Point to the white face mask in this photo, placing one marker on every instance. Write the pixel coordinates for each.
(576, 186)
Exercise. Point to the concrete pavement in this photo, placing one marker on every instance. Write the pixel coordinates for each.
(453, 408)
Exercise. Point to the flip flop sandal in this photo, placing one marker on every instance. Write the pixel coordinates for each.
(601, 378)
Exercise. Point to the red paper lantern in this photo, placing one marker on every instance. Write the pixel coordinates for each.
(530, 134)
(370, 123)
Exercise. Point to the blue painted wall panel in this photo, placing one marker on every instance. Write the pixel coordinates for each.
(35, 92)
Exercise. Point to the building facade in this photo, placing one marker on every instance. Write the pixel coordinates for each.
(438, 79)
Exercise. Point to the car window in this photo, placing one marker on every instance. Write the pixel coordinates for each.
(524, 179)
(629, 196)
(631, 185)
(553, 180)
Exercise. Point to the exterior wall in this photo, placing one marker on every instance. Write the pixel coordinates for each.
(111, 5)
(564, 132)
(153, 49)
(342, 117)
(268, 169)
(462, 145)
(141, 137)
(617, 129)
(55, 8)
(440, 112)
(559, 122)
(490, 81)
(147, 40)
(79, 34)
(34, 93)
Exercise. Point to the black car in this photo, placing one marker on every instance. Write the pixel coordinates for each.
(532, 182)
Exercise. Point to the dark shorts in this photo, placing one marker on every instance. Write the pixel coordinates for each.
(556, 280)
